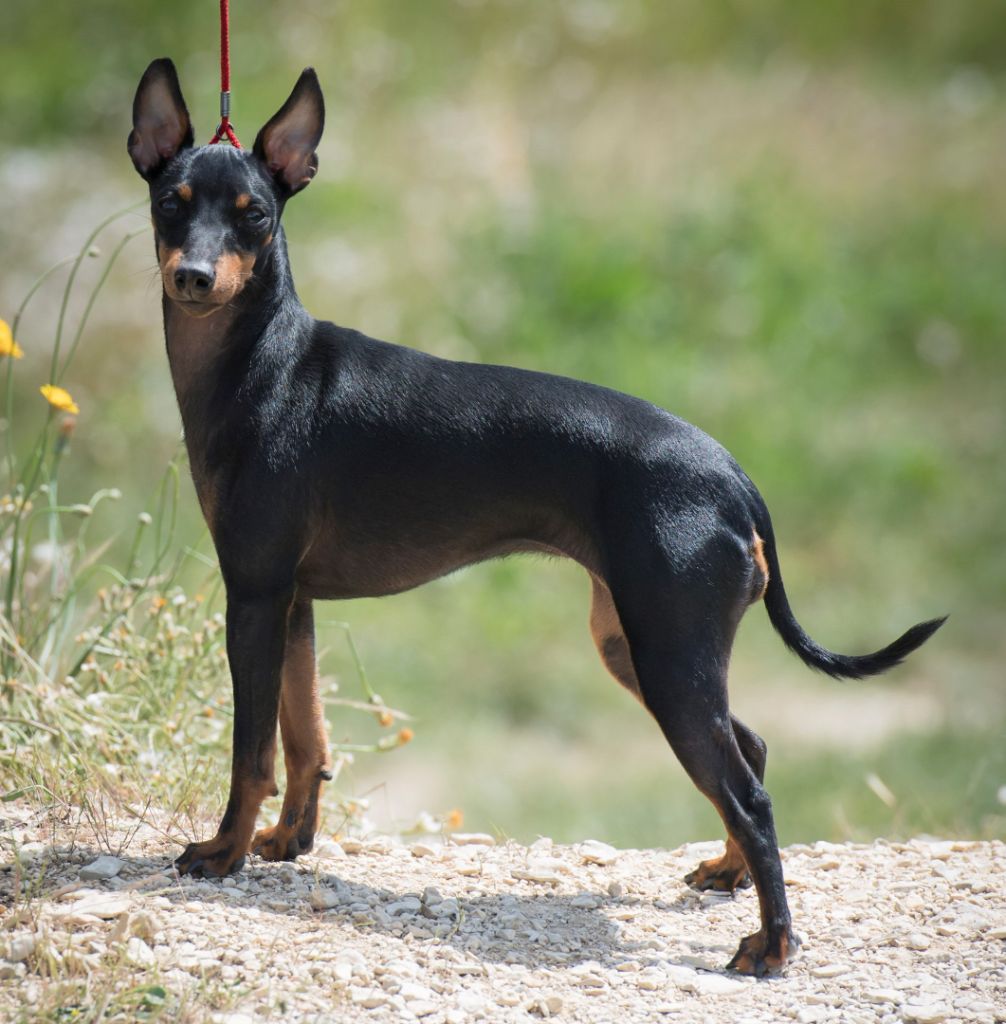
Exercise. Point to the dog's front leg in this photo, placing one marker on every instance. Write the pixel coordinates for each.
(256, 639)
(305, 744)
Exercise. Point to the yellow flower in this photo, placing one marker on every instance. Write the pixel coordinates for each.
(59, 398)
(385, 718)
(455, 819)
(8, 346)
(404, 735)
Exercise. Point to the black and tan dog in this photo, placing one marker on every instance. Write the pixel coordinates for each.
(330, 465)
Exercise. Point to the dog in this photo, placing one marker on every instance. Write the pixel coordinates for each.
(330, 465)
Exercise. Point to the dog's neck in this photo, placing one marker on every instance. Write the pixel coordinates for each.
(210, 356)
(201, 347)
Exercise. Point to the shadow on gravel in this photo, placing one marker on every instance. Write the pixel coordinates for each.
(546, 930)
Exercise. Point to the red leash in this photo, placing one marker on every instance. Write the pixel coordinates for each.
(225, 128)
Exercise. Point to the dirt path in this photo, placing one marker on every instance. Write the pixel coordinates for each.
(381, 931)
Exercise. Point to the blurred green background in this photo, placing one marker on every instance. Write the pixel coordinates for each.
(784, 221)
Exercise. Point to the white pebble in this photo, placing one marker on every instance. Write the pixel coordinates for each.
(472, 839)
(323, 898)
(931, 1013)
(593, 851)
(21, 947)
(883, 995)
(139, 954)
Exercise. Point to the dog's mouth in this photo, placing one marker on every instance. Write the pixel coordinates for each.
(195, 308)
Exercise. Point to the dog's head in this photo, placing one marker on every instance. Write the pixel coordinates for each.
(216, 209)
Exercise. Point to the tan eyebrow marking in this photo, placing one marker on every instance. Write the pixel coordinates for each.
(185, 191)
(242, 201)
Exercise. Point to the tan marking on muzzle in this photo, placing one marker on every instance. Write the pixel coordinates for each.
(169, 258)
(232, 270)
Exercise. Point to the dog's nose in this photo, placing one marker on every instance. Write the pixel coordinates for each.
(195, 280)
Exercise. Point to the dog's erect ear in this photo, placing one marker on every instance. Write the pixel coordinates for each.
(287, 144)
(161, 125)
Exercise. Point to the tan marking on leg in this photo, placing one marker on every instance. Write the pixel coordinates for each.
(185, 192)
(609, 638)
(242, 201)
(225, 852)
(758, 553)
(305, 744)
(722, 874)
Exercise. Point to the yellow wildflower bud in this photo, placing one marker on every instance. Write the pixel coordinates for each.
(8, 346)
(59, 398)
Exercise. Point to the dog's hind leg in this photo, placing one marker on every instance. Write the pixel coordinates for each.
(730, 872)
(609, 637)
(305, 744)
(680, 631)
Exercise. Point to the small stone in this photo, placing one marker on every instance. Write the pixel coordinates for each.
(323, 898)
(353, 847)
(406, 905)
(585, 901)
(715, 985)
(369, 999)
(431, 897)
(543, 874)
(651, 979)
(423, 850)
(139, 954)
(930, 1013)
(616, 890)
(421, 1007)
(102, 869)
(21, 947)
(328, 849)
(999, 932)
(545, 1006)
(447, 908)
(883, 995)
(830, 970)
(715, 899)
(593, 851)
(413, 990)
(918, 940)
(95, 905)
(811, 1014)
(472, 839)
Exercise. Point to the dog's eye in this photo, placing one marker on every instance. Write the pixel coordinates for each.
(256, 217)
(168, 205)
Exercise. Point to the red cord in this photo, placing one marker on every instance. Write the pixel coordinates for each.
(225, 128)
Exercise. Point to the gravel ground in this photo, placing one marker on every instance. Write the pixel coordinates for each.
(469, 930)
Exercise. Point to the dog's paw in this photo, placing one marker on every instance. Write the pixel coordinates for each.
(281, 843)
(214, 858)
(720, 875)
(760, 954)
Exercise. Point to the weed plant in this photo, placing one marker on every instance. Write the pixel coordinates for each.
(113, 671)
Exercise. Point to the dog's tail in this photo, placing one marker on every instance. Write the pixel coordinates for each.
(841, 666)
